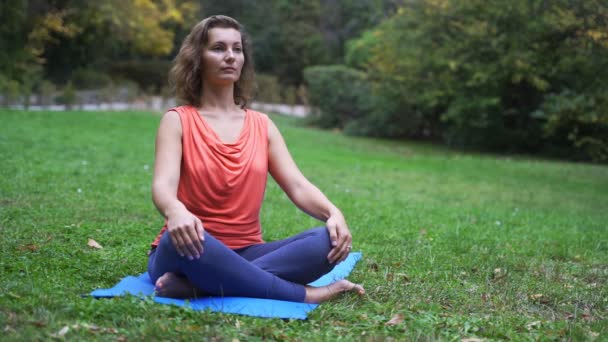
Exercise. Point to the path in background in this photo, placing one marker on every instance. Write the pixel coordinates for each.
(158, 104)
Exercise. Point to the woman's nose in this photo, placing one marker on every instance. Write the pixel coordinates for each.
(229, 54)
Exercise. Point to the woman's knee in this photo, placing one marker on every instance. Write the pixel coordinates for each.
(320, 241)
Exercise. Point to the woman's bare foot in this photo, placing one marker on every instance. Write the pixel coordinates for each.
(174, 286)
(323, 293)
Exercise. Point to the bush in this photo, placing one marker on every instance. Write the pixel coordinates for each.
(150, 75)
(474, 72)
(268, 89)
(338, 94)
(10, 91)
(90, 79)
(576, 124)
(46, 93)
(68, 97)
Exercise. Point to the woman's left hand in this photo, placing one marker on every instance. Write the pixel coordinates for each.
(340, 237)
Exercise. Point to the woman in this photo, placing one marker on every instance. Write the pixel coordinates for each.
(211, 164)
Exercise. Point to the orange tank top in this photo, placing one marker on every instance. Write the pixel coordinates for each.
(224, 184)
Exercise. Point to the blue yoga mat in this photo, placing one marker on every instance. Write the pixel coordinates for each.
(143, 286)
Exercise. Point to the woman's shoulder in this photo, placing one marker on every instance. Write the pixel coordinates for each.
(181, 109)
(257, 114)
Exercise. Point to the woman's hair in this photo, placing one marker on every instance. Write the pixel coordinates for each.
(186, 74)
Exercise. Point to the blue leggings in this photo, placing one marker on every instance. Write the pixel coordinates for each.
(274, 270)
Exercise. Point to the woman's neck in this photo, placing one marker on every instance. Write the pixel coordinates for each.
(218, 99)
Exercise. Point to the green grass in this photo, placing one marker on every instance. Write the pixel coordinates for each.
(460, 245)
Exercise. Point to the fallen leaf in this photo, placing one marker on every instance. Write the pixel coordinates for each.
(397, 319)
(92, 327)
(94, 244)
(485, 296)
(32, 247)
(540, 298)
(533, 325)
(499, 273)
(39, 323)
(373, 266)
(471, 339)
(63, 331)
(403, 277)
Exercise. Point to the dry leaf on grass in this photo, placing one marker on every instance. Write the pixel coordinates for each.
(397, 319)
(540, 298)
(471, 339)
(32, 247)
(61, 333)
(533, 325)
(94, 244)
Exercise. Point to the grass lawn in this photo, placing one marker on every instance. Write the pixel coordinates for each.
(455, 245)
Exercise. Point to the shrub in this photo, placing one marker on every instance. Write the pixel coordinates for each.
(46, 92)
(10, 91)
(151, 75)
(474, 72)
(90, 79)
(68, 97)
(576, 124)
(337, 93)
(268, 89)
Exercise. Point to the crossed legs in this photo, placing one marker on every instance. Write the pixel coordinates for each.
(275, 270)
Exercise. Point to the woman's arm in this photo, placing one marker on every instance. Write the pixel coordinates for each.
(305, 195)
(184, 228)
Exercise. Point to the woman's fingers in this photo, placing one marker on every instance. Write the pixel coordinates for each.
(177, 242)
(190, 245)
(340, 252)
(199, 229)
(187, 241)
(195, 243)
(333, 234)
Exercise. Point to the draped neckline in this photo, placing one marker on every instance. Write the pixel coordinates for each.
(216, 138)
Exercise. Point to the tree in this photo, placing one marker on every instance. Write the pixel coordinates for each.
(477, 72)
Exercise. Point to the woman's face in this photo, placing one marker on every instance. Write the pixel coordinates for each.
(223, 56)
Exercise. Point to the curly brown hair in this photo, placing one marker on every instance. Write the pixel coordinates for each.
(186, 74)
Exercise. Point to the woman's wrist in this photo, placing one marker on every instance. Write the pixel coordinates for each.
(174, 209)
(334, 212)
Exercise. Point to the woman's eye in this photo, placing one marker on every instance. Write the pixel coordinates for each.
(238, 49)
(217, 48)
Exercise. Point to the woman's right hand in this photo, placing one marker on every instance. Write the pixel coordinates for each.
(187, 234)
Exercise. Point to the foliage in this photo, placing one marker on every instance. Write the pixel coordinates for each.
(68, 96)
(90, 79)
(150, 74)
(475, 71)
(268, 88)
(338, 93)
(460, 245)
(46, 93)
(289, 36)
(10, 90)
(88, 35)
(55, 39)
(578, 121)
